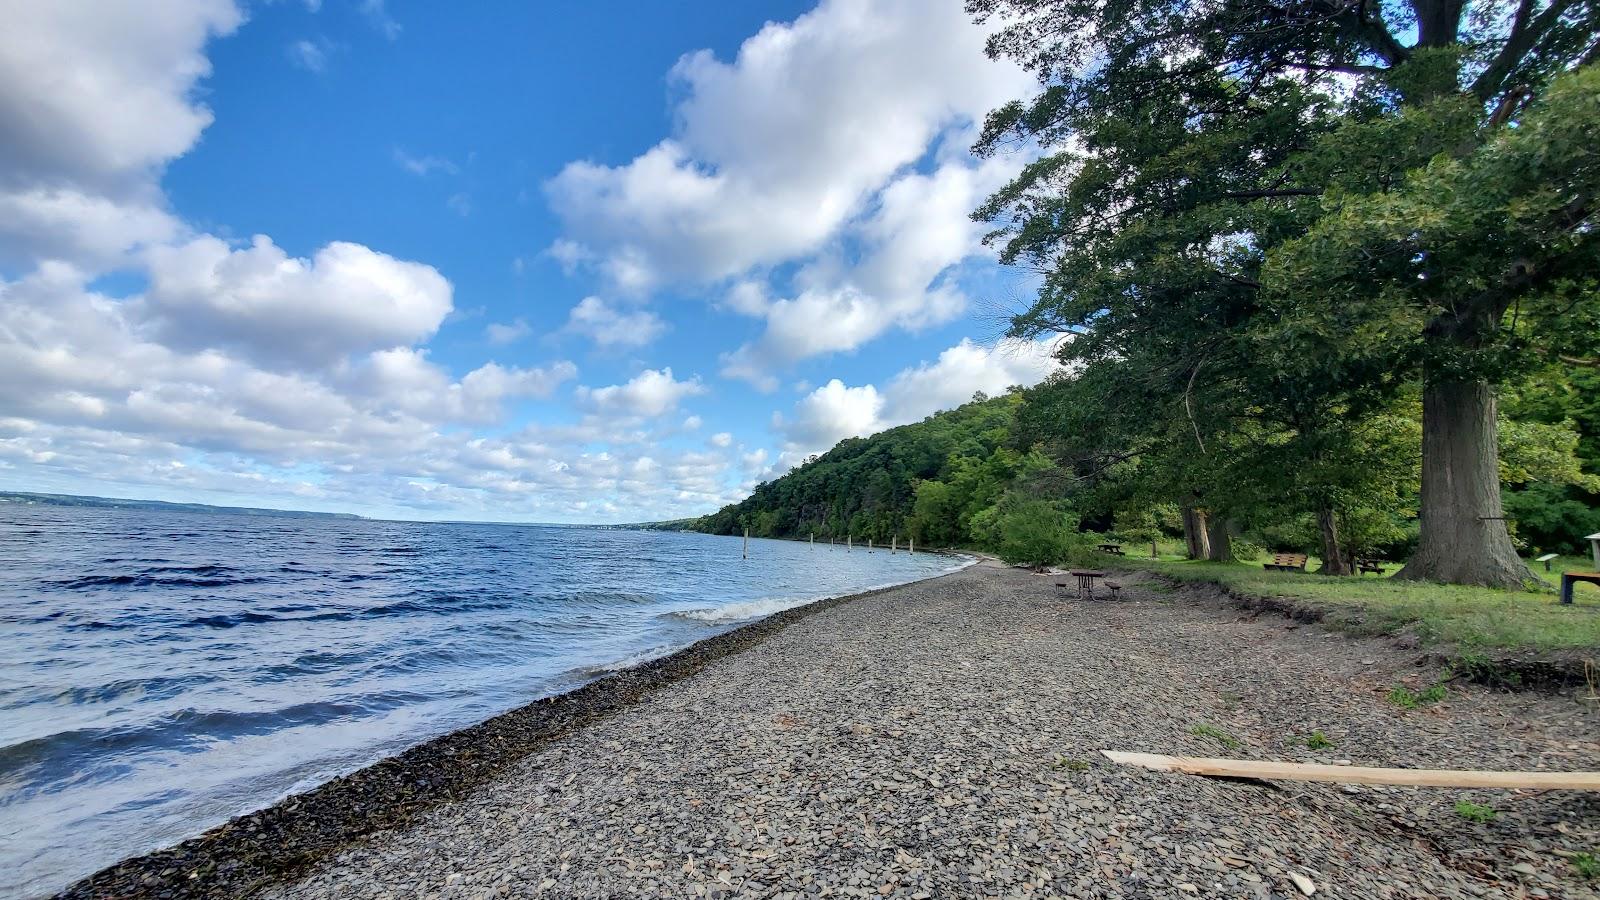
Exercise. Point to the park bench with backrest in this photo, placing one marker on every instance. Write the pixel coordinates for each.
(1286, 562)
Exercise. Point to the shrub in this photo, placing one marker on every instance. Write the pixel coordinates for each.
(1034, 532)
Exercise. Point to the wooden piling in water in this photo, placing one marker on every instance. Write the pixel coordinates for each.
(746, 554)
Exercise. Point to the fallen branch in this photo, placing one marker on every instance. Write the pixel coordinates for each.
(1460, 778)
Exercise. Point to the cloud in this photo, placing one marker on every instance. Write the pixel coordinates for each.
(309, 55)
(403, 379)
(422, 166)
(908, 246)
(239, 372)
(610, 327)
(651, 393)
(832, 413)
(775, 151)
(460, 204)
(69, 224)
(837, 411)
(101, 93)
(87, 393)
(507, 333)
(276, 309)
(815, 182)
(95, 100)
(963, 370)
(377, 15)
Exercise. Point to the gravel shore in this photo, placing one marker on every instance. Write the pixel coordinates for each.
(941, 739)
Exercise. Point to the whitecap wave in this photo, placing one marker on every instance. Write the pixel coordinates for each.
(749, 609)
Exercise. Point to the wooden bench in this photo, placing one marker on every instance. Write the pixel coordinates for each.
(1115, 549)
(1115, 589)
(1286, 562)
(1375, 566)
(1569, 580)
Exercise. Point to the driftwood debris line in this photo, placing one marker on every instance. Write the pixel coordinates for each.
(1456, 778)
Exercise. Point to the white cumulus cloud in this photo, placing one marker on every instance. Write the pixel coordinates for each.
(610, 326)
(837, 411)
(275, 308)
(777, 149)
(651, 393)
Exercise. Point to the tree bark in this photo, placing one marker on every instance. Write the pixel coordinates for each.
(1333, 557)
(1194, 533)
(1464, 536)
(1219, 537)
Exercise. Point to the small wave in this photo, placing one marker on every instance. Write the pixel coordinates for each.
(160, 576)
(233, 621)
(141, 688)
(760, 609)
(740, 612)
(634, 661)
(68, 752)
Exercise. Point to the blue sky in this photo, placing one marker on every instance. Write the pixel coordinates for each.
(509, 261)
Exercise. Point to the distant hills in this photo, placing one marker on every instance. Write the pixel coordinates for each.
(123, 503)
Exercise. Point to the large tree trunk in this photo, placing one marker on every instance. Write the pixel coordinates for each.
(1194, 533)
(1333, 557)
(1219, 536)
(1464, 537)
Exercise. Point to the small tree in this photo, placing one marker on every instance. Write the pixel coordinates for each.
(1035, 532)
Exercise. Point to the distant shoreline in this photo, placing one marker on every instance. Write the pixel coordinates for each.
(283, 839)
(86, 501)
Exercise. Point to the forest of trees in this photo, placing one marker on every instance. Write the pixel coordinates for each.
(993, 473)
(1326, 276)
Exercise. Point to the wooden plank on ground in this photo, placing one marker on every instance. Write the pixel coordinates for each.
(1458, 778)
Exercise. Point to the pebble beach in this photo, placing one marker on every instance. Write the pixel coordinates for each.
(941, 739)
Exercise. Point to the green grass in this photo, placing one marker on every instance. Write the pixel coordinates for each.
(1475, 812)
(1217, 734)
(1405, 698)
(1070, 764)
(1586, 864)
(1318, 741)
(1469, 618)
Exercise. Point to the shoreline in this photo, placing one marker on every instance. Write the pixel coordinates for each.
(272, 844)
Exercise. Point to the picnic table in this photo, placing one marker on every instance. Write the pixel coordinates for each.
(1569, 580)
(1086, 583)
(1367, 564)
(1112, 548)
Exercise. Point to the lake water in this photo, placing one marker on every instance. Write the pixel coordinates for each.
(161, 672)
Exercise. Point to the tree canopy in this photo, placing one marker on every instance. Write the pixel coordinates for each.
(1281, 223)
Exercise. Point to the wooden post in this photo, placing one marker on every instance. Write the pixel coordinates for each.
(911, 545)
(869, 545)
(813, 540)
(894, 544)
(1153, 550)
(746, 543)
(848, 540)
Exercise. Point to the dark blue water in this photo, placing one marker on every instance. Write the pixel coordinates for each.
(163, 672)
